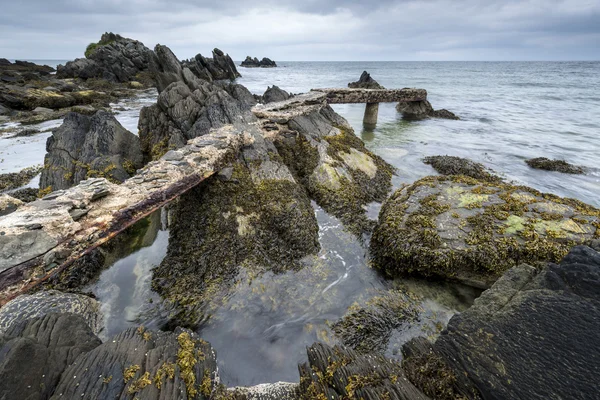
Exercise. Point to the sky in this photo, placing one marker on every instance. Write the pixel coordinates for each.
(311, 30)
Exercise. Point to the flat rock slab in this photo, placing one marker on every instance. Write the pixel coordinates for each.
(348, 95)
(56, 222)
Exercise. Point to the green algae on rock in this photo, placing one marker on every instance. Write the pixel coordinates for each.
(472, 231)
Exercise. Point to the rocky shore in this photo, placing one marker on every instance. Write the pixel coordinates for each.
(238, 175)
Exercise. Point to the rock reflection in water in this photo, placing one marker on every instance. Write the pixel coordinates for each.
(124, 287)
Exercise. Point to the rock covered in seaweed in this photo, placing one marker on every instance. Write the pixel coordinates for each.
(114, 58)
(423, 109)
(250, 62)
(451, 165)
(555, 165)
(340, 373)
(365, 82)
(219, 67)
(84, 147)
(531, 327)
(470, 230)
(187, 107)
(13, 180)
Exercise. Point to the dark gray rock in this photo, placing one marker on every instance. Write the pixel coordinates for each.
(114, 58)
(35, 352)
(20, 248)
(451, 165)
(555, 165)
(187, 106)
(219, 67)
(365, 82)
(340, 373)
(531, 336)
(423, 109)
(250, 62)
(42, 303)
(84, 147)
(273, 94)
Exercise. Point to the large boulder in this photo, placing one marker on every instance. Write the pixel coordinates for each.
(84, 147)
(423, 109)
(250, 62)
(274, 94)
(460, 228)
(533, 335)
(35, 352)
(365, 82)
(187, 107)
(340, 373)
(114, 58)
(219, 67)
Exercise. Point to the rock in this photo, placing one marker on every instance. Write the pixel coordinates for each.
(368, 329)
(16, 249)
(423, 109)
(450, 165)
(23, 67)
(84, 147)
(35, 352)
(266, 391)
(250, 62)
(4, 62)
(240, 93)
(13, 180)
(145, 364)
(187, 107)
(531, 327)
(274, 94)
(42, 303)
(365, 82)
(114, 58)
(136, 85)
(42, 110)
(8, 204)
(26, 195)
(339, 373)
(4, 110)
(219, 67)
(257, 218)
(555, 165)
(459, 228)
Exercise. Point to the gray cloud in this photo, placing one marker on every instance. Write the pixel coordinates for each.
(311, 29)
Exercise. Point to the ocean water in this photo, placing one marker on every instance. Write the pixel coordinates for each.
(509, 112)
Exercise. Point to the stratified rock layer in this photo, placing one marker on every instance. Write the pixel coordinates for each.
(219, 67)
(461, 228)
(533, 335)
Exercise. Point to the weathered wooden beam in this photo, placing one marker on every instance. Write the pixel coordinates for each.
(42, 238)
(348, 95)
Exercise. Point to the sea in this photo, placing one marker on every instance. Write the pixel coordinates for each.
(509, 112)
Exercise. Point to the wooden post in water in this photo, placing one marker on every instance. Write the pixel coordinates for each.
(371, 111)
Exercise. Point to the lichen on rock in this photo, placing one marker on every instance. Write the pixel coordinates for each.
(469, 230)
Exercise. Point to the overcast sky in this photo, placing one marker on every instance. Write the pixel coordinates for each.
(311, 30)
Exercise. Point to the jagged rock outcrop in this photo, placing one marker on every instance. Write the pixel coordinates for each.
(219, 67)
(365, 82)
(531, 336)
(254, 215)
(460, 228)
(84, 147)
(324, 154)
(187, 107)
(555, 165)
(35, 352)
(42, 303)
(250, 62)
(114, 58)
(451, 165)
(274, 94)
(339, 373)
(423, 109)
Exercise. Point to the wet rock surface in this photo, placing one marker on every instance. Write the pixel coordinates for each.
(450, 165)
(423, 109)
(530, 336)
(114, 58)
(555, 165)
(219, 67)
(250, 62)
(365, 82)
(469, 230)
(88, 147)
(339, 373)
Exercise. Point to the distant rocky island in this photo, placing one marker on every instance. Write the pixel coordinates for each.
(239, 174)
(250, 62)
